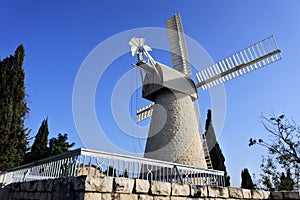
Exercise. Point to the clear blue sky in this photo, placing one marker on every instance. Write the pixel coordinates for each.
(59, 35)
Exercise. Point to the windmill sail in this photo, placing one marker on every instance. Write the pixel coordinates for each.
(177, 43)
(144, 112)
(249, 59)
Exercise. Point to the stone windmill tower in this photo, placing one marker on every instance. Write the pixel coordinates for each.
(174, 131)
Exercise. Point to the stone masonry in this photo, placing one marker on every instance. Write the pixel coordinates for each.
(174, 134)
(109, 188)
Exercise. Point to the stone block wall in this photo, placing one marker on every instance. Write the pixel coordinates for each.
(106, 188)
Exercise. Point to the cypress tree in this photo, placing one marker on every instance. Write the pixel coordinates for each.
(216, 155)
(247, 182)
(13, 111)
(39, 149)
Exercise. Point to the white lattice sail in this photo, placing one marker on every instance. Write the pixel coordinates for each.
(249, 59)
(144, 112)
(178, 47)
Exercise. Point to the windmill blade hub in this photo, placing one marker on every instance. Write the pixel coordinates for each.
(137, 46)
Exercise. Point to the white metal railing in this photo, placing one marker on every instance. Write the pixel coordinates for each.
(91, 162)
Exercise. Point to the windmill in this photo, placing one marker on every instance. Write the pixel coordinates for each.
(174, 130)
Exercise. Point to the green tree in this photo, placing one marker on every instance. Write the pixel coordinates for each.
(274, 178)
(59, 145)
(216, 155)
(286, 181)
(269, 175)
(13, 111)
(247, 182)
(39, 149)
(283, 157)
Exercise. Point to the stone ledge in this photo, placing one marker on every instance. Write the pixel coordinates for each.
(181, 198)
(49, 185)
(125, 197)
(198, 191)
(220, 192)
(235, 193)
(145, 197)
(285, 195)
(99, 184)
(92, 196)
(257, 194)
(5, 193)
(246, 194)
(142, 186)
(265, 194)
(277, 195)
(161, 198)
(41, 185)
(79, 183)
(180, 190)
(160, 188)
(123, 185)
(291, 195)
(106, 188)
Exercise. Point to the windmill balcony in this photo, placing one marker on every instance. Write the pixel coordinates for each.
(98, 163)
